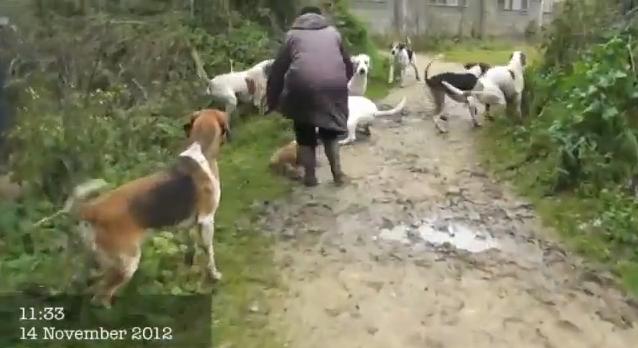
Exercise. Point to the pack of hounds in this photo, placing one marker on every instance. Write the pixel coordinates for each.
(112, 223)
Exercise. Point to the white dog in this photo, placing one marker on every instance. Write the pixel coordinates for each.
(361, 112)
(247, 86)
(402, 57)
(501, 85)
(359, 82)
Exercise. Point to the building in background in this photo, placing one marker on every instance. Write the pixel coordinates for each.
(478, 18)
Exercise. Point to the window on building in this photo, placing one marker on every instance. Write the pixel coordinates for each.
(514, 5)
(457, 3)
(548, 6)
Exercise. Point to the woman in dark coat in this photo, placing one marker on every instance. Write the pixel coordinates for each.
(308, 83)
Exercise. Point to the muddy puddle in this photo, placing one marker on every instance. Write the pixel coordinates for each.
(438, 233)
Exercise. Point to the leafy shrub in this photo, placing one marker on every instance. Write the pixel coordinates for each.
(576, 28)
(113, 109)
(593, 133)
(581, 136)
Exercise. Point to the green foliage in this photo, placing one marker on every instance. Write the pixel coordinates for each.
(576, 154)
(592, 133)
(245, 45)
(576, 28)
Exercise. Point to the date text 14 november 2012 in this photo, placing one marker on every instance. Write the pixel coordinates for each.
(52, 333)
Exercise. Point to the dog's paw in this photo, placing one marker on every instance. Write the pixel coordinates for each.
(101, 301)
(442, 130)
(214, 274)
(440, 126)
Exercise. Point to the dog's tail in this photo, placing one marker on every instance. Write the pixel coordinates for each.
(485, 97)
(79, 195)
(455, 91)
(82, 192)
(392, 111)
(427, 68)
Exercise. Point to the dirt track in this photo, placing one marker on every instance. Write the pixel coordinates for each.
(360, 273)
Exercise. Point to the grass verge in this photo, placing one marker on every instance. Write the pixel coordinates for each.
(491, 52)
(244, 252)
(377, 89)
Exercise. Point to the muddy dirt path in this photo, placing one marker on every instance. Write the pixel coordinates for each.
(424, 249)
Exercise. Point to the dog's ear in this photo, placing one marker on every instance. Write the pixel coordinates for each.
(227, 134)
(250, 83)
(224, 126)
(512, 74)
(523, 59)
(187, 128)
(189, 125)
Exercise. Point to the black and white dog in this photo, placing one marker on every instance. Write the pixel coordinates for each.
(463, 81)
(402, 57)
(500, 86)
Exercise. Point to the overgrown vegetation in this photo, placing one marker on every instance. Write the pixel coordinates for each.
(576, 154)
(101, 90)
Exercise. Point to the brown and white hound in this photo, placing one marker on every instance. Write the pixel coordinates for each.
(187, 193)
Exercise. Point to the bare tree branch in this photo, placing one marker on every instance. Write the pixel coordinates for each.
(201, 73)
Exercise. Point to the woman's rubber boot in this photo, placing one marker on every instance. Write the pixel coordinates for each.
(309, 163)
(331, 149)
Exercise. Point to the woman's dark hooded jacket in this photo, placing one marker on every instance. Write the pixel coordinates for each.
(309, 78)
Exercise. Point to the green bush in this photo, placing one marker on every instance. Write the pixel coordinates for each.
(579, 143)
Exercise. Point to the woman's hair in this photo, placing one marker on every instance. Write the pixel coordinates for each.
(310, 9)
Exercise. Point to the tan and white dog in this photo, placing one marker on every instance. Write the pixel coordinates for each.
(113, 224)
(248, 86)
(285, 161)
